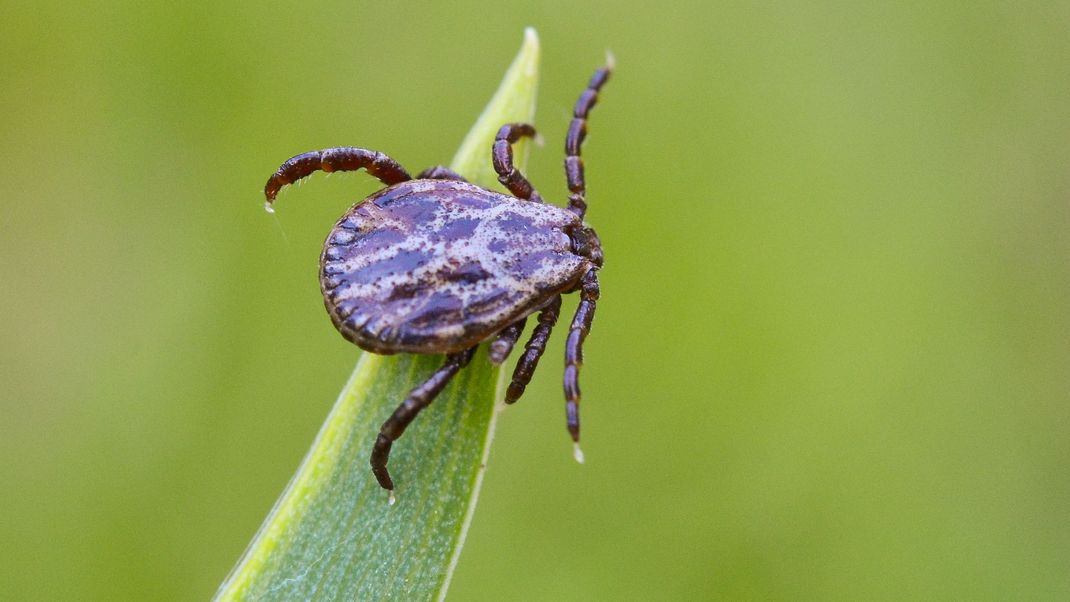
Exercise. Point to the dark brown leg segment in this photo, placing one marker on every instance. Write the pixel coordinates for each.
(344, 158)
(418, 399)
(502, 154)
(525, 367)
(440, 172)
(581, 325)
(577, 131)
(503, 345)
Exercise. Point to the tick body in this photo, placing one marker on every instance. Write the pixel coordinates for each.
(436, 265)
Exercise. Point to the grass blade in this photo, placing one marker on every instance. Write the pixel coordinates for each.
(332, 534)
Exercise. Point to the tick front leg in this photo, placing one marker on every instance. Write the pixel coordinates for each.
(502, 155)
(577, 131)
(440, 172)
(581, 326)
(503, 345)
(344, 158)
(418, 399)
(525, 368)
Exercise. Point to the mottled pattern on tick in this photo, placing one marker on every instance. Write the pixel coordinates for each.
(436, 266)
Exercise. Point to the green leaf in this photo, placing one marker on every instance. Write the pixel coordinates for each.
(333, 534)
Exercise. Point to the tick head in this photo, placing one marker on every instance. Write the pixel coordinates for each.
(585, 243)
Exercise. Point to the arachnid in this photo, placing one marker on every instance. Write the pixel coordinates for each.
(437, 265)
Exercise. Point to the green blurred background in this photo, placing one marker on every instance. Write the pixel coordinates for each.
(831, 361)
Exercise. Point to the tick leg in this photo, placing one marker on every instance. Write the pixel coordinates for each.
(503, 345)
(440, 172)
(577, 131)
(502, 155)
(525, 368)
(418, 399)
(581, 325)
(343, 158)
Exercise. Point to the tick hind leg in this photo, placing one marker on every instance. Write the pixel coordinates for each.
(502, 155)
(577, 131)
(343, 158)
(440, 172)
(581, 326)
(525, 368)
(418, 399)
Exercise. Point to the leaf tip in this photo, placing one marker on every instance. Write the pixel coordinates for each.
(530, 47)
(531, 37)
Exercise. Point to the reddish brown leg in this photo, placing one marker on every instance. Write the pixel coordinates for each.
(344, 158)
(440, 172)
(581, 325)
(577, 131)
(525, 367)
(418, 399)
(502, 154)
(503, 345)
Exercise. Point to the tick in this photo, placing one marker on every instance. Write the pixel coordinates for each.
(436, 265)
